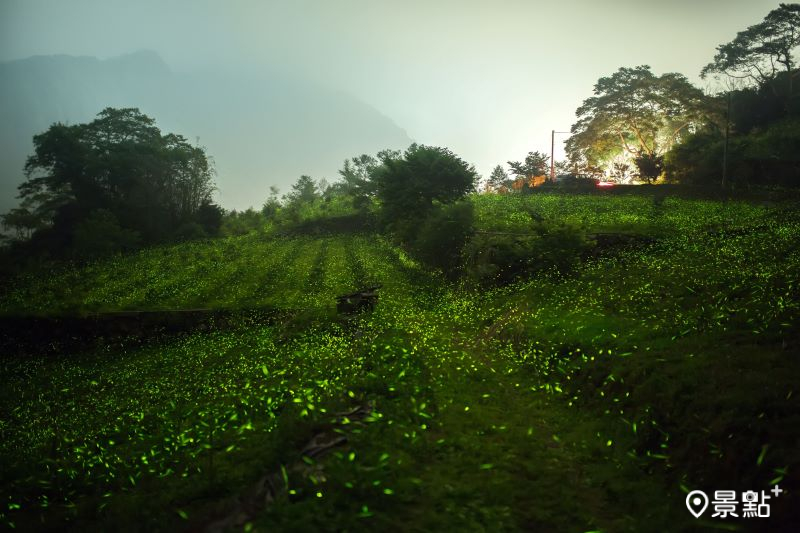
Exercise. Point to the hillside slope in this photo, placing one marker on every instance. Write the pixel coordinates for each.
(593, 400)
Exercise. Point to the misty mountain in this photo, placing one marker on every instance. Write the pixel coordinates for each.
(261, 128)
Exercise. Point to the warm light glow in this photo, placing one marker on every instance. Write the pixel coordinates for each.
(535, 181)
(605, 183)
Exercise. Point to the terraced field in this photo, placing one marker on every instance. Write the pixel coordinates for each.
(656, 215)
(284, 273)
(587, 401)
(307, 272)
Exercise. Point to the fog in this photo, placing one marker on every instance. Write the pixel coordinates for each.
(489, 80)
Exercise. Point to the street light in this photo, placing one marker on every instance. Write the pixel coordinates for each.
(552, 153)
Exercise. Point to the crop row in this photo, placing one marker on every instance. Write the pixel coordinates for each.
(299, 272)
(630, 213)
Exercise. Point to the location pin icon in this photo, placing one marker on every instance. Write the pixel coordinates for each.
(697, 502)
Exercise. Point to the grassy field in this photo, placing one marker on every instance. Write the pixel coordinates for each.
(588, 400)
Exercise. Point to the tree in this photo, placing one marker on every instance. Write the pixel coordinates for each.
(498, 180)
(634, 113)
(122, 164)
(324, 189)
(763, 50)
(530, 172)
(357, 175)
(620, 172)
(209, 217)
(23, 221)
(271, 206)
(409, 187)
(304, 191)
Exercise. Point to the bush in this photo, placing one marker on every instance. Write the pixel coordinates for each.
(190, 231)
(650, 166)
(100, 234)
(242, 222)
(441, 238)
(765, 156)
(697, 160)
(499, 258)
(209, 218)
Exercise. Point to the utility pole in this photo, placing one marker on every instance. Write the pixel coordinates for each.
(552, 154)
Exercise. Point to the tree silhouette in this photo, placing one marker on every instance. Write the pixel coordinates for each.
(121, 164)
(763, 50)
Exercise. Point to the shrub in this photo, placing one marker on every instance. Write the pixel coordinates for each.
(189, 231)
(209, 218)
(501, 257)
(697, 160)
(100, 234)
(441, 238)
(242, 222)
(650, 166)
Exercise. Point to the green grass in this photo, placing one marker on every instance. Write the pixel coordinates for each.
(613, 213)
(249, 271)
(586, 401)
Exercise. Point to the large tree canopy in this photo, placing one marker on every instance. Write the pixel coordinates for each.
(119, 163)
(409, 186)
(633, 114)
(762, 51)
(359, 175)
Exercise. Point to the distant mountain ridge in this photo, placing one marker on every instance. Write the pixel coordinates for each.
(261, 129)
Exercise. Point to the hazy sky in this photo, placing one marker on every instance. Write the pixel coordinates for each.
(487, 79)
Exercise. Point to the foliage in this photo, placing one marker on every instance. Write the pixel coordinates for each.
(190, 231)
(531, 172)
(763, 50)
(630, 214)
(756, 107)
(442, 236)
(613, 372)
(23, 221)
(304, 191)
(409, 187)
(209, 219)
(765, 156)
(621, 172)
(697, 159)
(100, 234)
(197, 274)
(272, 205)
(357, 178)
(498, 180)
(242, 222)
(499, 258)
(771, 155)
(650, 166)
(634, 113)
(121, 163)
